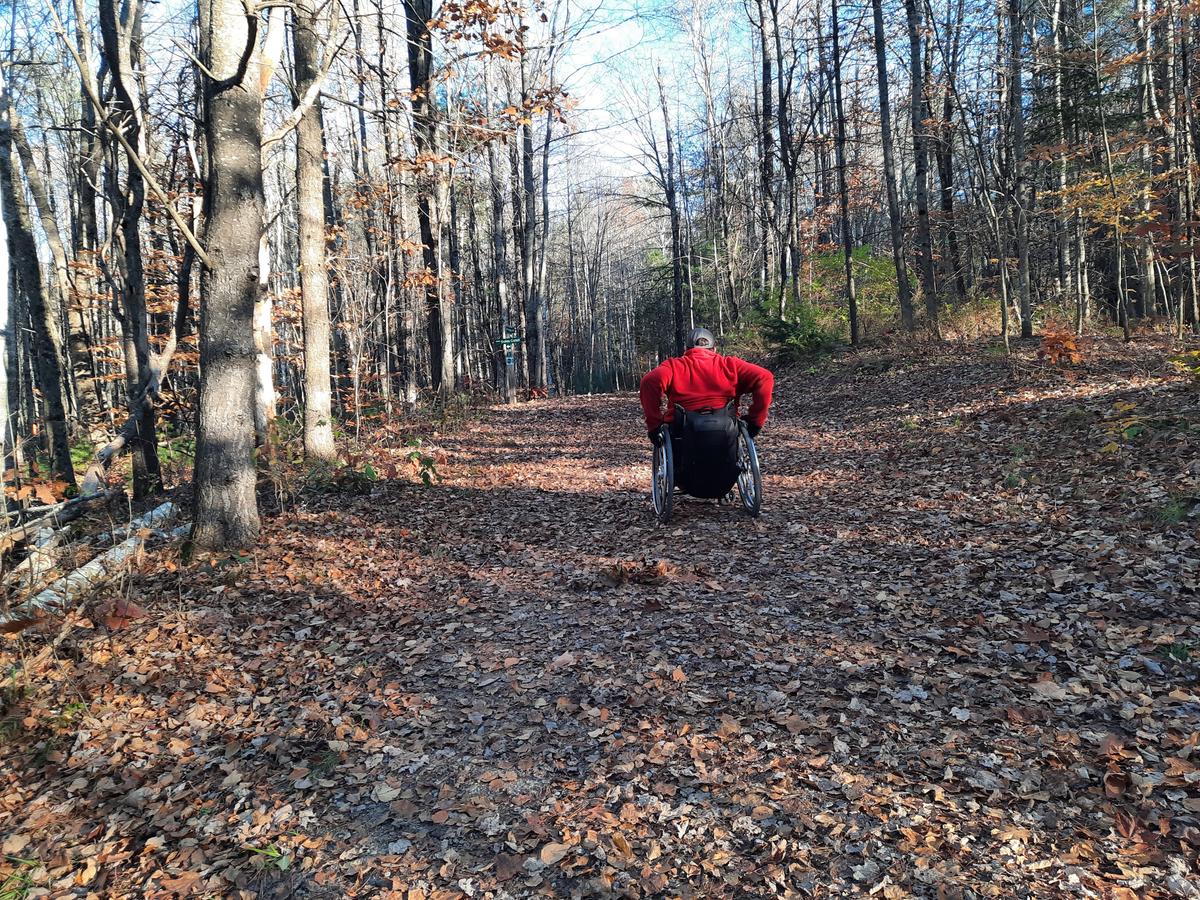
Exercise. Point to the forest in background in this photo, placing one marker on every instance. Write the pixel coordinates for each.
(236, 228)
(385, 272)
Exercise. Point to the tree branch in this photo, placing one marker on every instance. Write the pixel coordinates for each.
(151, 181)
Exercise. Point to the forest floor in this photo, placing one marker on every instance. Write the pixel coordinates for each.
(957, 656)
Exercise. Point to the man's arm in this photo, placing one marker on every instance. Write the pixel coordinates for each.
(654, 388)
(759, 383)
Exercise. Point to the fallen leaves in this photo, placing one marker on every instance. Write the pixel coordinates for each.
(953, 659)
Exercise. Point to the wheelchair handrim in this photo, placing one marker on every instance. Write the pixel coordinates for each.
(661, 486)
(749, 477)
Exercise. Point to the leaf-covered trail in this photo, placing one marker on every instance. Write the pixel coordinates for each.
(951, 659)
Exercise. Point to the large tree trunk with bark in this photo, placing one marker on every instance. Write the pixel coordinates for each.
(226, 510)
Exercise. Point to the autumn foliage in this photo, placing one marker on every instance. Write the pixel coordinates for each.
(1060, 346)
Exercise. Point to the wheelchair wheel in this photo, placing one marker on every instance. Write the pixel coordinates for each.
(749, 483)
(662, 477)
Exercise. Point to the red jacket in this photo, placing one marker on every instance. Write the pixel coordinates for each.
(703, 377)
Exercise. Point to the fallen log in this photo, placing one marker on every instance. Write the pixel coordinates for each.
(59, 516)
(158, 517)
(43, 556)
(68, 590)
(39, 561)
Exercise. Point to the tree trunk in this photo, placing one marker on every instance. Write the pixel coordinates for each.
(6, 340)
(1190, 313)
(1016, 95)
(87, 176)
(48, 345)
(903, 287)
(676, 238)
(918, 100)
(310, 212)
(121, 31)
(226, 510)
(420, 56)
(503, 352)
(766, 149)
(57, 299)
(535, 341)
(1145, 110)
(843, 186)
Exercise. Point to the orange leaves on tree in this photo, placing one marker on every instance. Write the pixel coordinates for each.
(420, 278)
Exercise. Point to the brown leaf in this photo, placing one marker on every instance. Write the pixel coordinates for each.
(185, 885)
(508, 866)
(1115, 784)
(1048, 689)
(117, 614)
(553, 853)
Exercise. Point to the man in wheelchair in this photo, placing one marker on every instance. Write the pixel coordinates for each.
(701, 390)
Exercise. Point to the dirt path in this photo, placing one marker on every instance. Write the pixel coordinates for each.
(955, 657)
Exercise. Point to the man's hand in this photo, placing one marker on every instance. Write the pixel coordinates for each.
(753, 429)
(655, 437)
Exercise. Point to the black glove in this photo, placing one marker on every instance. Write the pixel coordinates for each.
(655, 436)
(753, 429)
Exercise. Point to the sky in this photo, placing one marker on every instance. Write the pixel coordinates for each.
(609, 69)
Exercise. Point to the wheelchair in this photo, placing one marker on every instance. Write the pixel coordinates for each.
(706, 454)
